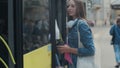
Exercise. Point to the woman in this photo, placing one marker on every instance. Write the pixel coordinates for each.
(115, 32)
(76, 16)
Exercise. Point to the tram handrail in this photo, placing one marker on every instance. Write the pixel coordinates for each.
(3, 62)
(8, 48)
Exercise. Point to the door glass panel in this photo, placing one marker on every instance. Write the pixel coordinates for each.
(35, 24)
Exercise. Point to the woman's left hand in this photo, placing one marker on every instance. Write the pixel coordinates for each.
(64, 49)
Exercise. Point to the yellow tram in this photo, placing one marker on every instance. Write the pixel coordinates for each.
(28, 28)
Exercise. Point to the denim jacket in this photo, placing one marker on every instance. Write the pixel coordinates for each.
(115, 30)
(85, 37)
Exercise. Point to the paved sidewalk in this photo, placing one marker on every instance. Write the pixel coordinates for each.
(104, 51)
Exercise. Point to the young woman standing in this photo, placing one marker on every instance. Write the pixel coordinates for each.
(76, 18)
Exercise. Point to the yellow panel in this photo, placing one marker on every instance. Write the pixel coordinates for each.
(39, 58)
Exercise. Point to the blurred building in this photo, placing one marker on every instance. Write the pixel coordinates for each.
(115, 10)
(106, 11)
(97, 9)
(101, 11)
(93, 10)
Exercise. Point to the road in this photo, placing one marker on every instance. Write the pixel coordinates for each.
(104, 51)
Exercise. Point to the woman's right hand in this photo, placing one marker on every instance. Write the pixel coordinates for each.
(63, 48)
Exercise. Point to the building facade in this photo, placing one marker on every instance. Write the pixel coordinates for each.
(115, 10)
(93, 8)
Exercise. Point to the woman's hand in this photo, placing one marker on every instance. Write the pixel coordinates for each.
(64, 49)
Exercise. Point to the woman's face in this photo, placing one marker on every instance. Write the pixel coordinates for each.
(71, 8)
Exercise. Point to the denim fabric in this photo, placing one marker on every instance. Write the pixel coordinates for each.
(115, 30)
(117, 52)
(85, 37)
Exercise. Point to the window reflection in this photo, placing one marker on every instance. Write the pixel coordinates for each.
(35, 24)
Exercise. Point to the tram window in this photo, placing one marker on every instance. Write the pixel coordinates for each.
(35, 24)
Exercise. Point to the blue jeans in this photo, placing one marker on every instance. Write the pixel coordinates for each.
(117, 52)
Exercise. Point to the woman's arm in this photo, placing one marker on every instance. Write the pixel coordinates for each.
(86, 39)
(111, 30)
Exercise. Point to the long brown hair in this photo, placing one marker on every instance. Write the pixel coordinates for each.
(80, 11)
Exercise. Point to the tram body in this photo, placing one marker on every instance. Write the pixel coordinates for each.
(30, 31)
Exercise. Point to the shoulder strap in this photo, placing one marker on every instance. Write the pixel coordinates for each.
(80, 45)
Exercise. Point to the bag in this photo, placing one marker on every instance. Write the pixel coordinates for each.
(113, 36)
(112, 40)
(84, 61)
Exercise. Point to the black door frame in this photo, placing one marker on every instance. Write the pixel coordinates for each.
(11, 30)
(18, 22)
(52, 30)
(58, 11)
(15, 31)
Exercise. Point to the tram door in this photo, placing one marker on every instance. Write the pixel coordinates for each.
(36, 34)
(39, 31)
(28, 26)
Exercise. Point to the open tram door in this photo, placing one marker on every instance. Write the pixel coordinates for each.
(34, 31)
(30, 29)
(39, 19)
